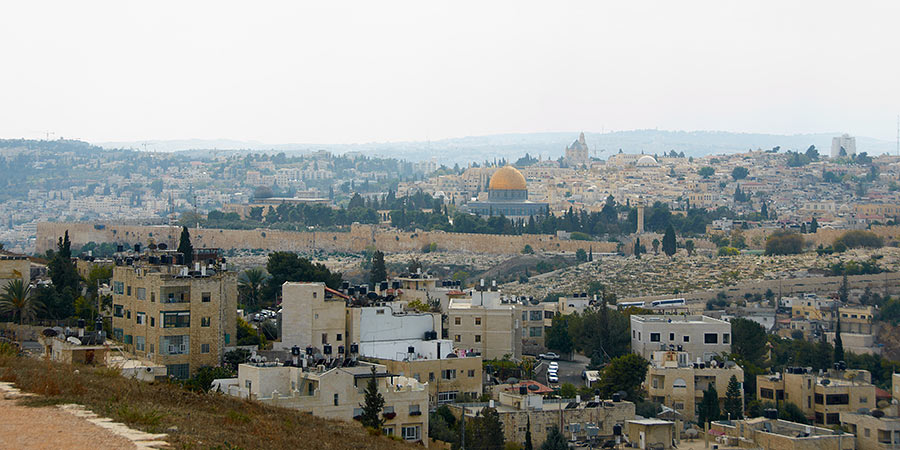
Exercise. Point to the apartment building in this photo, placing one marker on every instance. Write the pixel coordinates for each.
(174, 316)
(821, 397)
(580, 417)
(877, 429)
(446, 379)
(339, 393)
(486, 323)
(772, 433)
(701, 337)
(313, 315)
(678, 383)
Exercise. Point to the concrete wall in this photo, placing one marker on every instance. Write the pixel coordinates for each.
(358, 239)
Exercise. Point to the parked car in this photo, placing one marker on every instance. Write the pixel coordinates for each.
(554, 366)
(549, 355)
(552, 378)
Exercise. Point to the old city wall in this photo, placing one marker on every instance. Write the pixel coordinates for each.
(357, 239)
(756, 237)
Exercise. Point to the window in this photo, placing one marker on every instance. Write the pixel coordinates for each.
(671, 336)
(832, 418)
(153, 297)
(227, 338)
(152, 348)
(387, 431)
(205, 297)
(710, 338)
(457, 321)
(183, 371)
(141, 293)
(864, 400)
(837, 399)
(128, 289)
(139, 343)
(535, 331)
(448, 374)
(204, 321)
(118, 287)
(866, 432)
(141, 318)
(335, 400)
(118, 334)
(247, 384)
(447, 397)
(471, 373)
(654, 337)
(537, 315)
(338, 338)
(679, 383)
(128, 339)
(686, 338)
(152, 321)
(174, 345)
(204, 348)
(388, 410)
(767, 393)
(357, 412)
(478, 321)
(457, 338)
(411, 433)
(128, 314)
(726, 338)
(477, 338)
(175, 319)
(324, 338)
(118, 311)
(819, 399)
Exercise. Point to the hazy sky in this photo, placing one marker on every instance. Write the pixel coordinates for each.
(343, 72)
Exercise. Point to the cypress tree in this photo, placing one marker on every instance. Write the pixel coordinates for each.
(374, 403)
(709, 406)
(838, 343)
(379, 272)
(668, 242)
(185, 247)
(733, 403)
(528, 444)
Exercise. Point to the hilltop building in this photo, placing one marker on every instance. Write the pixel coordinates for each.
(507, 196)
(701, 337)
(846, 142)
(577, 154)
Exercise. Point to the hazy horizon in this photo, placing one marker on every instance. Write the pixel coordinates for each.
(360, 72)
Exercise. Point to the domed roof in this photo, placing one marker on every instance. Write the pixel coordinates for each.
(647, 161)
(507, 179)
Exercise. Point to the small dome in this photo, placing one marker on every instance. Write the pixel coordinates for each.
(647, 161)
(507, 179)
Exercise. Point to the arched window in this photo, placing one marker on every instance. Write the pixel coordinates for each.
(679, 383)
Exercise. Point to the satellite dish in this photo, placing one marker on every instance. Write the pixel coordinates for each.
(74, 340)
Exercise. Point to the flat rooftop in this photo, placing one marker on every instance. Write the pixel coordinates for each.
(690, 319)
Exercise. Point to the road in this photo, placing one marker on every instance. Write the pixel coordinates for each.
(569, 371)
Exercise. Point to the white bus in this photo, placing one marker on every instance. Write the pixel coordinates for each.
(671, 303)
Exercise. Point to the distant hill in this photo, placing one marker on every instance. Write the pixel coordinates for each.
(547, 145)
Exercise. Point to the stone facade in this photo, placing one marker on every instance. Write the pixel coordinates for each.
(14, 267)
(675, 382)
(183, 322)
(446, 379)
(820, 398)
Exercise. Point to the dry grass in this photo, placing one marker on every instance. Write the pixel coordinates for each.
(202, 420)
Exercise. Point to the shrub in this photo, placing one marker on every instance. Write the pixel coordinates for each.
(528, 250)
(859, 238)
(784, 243)
(728, 251)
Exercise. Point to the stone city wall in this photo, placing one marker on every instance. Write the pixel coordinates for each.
(356, 240)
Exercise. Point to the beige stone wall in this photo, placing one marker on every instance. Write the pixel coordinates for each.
(491, 331)
(430, 371)
(15, 269)
(358, 239)
(660, 385)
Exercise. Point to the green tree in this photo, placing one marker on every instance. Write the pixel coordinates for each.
(17, 299)
(668, 242)
(637, 248)
(739, 173)
(555, 440)
(689, 246)
(784, 243)
(733, 401)
(748, 340)
(581, 255)
(374, 403)
(59, 301)
(655, 244)
(706, 172)
(485, 431)
(378, 272)
(236, 357)
(708, 410)
(287, 266)
(814, 225)
(844, 290)
(185, 247)
(250, 285)
(568, 390)
(764, 211)
(625, 373)
(557, 337)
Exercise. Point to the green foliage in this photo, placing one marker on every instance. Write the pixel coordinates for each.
(374, 403)
(527, 250)
(580, 236)
(748, 340)
(568, 390)
(734, 406)
(557, 338)
(689, 246)
(247, 335)
(202, 380)
(739, 173)
(708, 409)
(555, 440)
(250, 286)
(728, 251)
(581, 255)
(706, 171)
(668, 243)
(866, 267)
(784, 243)
(66, 282)
(625, 373)
(442, 425)
(528, 444)
(287, 266)
(647, 409)
(185, 247)
(379, 271)
(235, 358)
(17, 300)
(860, 238)
(485, 431)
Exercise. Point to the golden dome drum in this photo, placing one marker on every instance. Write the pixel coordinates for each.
(507, 179)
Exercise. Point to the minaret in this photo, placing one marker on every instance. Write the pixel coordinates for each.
(640, 216)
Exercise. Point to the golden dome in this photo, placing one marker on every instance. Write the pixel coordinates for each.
(507, 179)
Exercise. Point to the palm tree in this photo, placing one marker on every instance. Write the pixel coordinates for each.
(250, 283)
(17, 299)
